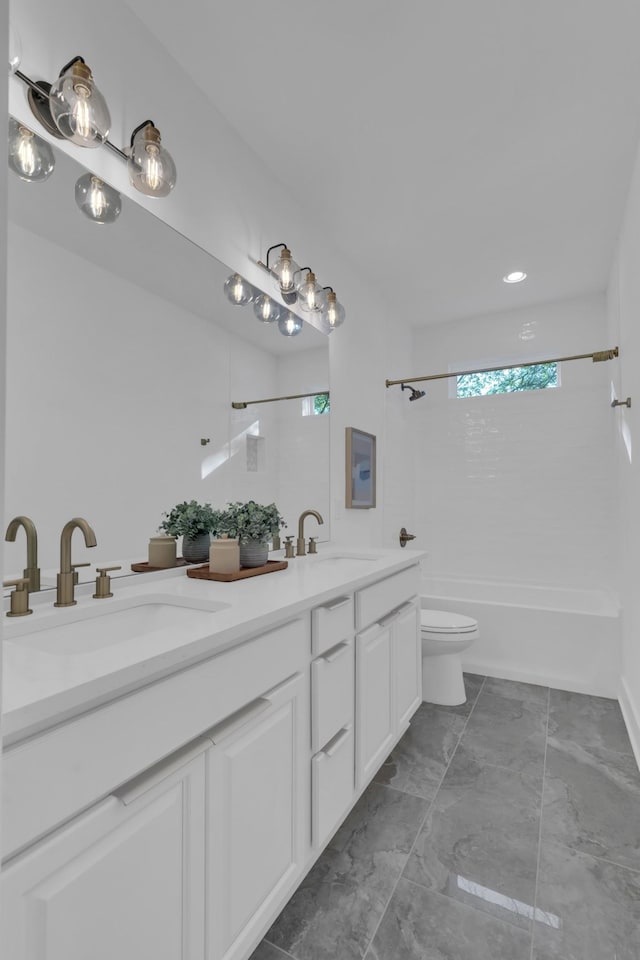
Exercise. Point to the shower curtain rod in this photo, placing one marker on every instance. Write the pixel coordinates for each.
(243, 404)
(596, 357)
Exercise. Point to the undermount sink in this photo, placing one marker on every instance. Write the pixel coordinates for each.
(344, 558)
(118, 622)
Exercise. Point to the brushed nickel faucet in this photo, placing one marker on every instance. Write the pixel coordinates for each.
(300, 546)
(65, 579)
(31, 573)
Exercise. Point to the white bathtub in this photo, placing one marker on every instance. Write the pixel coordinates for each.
(560, 637)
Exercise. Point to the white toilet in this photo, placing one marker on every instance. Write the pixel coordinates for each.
(444, 637)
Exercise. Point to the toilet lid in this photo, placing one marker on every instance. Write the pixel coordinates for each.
(440, 621)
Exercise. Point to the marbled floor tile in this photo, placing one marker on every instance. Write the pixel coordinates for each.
(592, 801)
(587, 909)
(266, 951)
(506, 732)
(335, 911)
(590, 721)
(422, 925)
(515, 690)
(479, 844)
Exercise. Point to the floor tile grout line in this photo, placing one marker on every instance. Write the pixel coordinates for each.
(419, 830)
(594, 856)
(544, 776)
(284, 953)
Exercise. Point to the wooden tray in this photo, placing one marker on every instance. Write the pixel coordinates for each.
(145, 568)
(203, 573)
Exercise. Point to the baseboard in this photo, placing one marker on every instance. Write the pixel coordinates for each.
(502, 671)
(631, 718)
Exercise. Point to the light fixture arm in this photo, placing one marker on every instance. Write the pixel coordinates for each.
(276, 246)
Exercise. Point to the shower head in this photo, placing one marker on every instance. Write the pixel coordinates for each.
(415, 394)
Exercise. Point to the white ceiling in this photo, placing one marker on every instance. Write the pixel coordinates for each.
(443, 143)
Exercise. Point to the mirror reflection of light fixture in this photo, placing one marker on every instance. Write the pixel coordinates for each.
(151, 167)
(77, 107)
(97, 200)
(30, 156)
(311, 297)
(290, 325)
(266, 309)
(238, 291)
(333, 313)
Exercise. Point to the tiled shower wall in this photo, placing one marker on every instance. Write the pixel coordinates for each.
(518, 487)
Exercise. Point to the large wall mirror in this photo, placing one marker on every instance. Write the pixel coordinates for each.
(123, 354)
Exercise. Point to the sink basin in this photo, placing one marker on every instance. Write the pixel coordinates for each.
(149, 618)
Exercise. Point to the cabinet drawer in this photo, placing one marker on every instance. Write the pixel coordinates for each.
(380, 598)
(331, 623)
(332, 693)
(332, 785)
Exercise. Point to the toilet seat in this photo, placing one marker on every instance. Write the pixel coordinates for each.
(443, 623)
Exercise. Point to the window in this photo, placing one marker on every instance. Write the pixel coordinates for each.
(509, 380)
(312, 406)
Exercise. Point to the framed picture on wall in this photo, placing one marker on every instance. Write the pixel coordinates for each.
(360, 469)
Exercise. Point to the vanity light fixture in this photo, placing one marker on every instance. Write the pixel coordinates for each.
(97, 200)
(151, 167)
(238, 291)
(30, 156)
(290, 325)
(73, 108)
(517, 276)
(266, 309)
(283, 272)
(333, 312)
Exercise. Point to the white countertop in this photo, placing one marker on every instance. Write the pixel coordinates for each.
(42, 688)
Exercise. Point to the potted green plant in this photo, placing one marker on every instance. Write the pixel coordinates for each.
(254, 524)
(194, 522)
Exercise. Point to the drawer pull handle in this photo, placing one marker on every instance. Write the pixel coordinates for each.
(337, 742)
(238, 719)
(144, 782)
(336, 653)
(340, 602)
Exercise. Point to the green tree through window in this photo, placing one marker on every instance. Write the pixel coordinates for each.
(321, 403)
(538, 377)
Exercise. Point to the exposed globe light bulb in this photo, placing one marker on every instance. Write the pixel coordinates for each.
(238, 291)
(334, 311)
(30, 156)
(284, 271)
(290, 325)
(311, 296)
(151, 167)
(517, 276)
(97, 200)
(266, 309)
(78, 109)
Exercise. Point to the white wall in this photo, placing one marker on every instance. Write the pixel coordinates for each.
(623, 312)
(518, 486)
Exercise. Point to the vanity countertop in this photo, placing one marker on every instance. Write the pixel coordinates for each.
(42, 687)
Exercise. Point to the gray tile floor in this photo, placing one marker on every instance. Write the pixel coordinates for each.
(505, 829)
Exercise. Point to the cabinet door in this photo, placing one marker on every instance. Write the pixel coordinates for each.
(256, 799)
(407, 654)
(375, 727)
(125, 879)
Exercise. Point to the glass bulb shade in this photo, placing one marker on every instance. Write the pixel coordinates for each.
(285, 270)
(290, 325)
(97, 200)
(151, 167)
(30, 156)
(78, 108)
(333, 313)
(266, 309)
(311, 296)
(15, 49)
(238, 291)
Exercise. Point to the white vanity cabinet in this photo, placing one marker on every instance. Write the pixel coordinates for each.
(257, 816)
(125, 879)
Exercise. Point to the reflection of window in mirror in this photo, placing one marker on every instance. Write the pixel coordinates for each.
(318, 404)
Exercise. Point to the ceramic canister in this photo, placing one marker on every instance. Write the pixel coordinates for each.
(162, 551)
(224, 555)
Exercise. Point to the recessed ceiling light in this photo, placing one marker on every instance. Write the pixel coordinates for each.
(516, 277)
